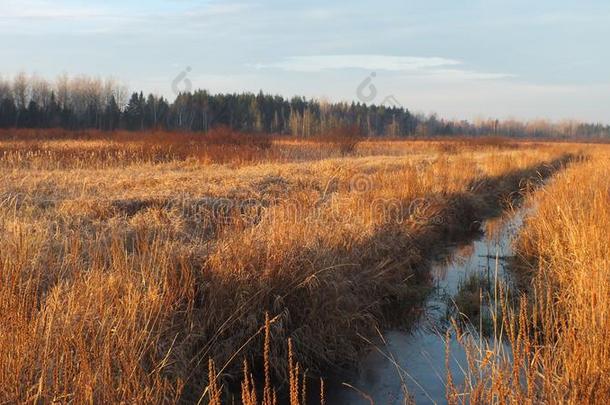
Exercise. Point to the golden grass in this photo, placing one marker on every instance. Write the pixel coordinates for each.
(559, 334)
(61, 149)
(121, 277)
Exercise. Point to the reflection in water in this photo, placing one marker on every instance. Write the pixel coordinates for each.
(417, 360)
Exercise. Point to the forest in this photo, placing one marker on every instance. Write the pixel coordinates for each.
(78, 103)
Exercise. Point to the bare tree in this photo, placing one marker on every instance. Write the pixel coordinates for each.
(62, 85)
(21, 90)
(40, 92)
(5, 90)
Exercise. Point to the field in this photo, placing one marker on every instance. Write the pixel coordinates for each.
(129, 261)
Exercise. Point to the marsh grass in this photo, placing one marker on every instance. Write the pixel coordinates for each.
(114, 287)
(469, 303)
(559, 333)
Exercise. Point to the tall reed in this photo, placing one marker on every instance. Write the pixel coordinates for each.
(559, 334)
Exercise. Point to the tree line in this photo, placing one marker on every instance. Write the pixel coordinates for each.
(92, 103)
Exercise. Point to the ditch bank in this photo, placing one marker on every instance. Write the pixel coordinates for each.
(331, 314)
(412, 366)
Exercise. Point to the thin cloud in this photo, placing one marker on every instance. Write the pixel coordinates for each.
(435, 67)
(365, 62)
(218, 9)
(44, 10)
(456, 74)
(575, 17)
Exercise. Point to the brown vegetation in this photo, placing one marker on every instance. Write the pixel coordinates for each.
(559, 334)
(122, 276)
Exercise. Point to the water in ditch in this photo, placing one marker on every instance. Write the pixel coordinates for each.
(416, 360)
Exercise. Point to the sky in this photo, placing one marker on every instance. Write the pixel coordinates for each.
(464, 59)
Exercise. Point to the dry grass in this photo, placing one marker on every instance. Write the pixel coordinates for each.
(61, 149)
(65, 149)
(121, 277)
(297, 390)
(559, 335)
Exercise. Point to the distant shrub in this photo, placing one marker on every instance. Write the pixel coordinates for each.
(345, 139)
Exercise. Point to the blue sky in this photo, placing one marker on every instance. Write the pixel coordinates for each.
(460, 59)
